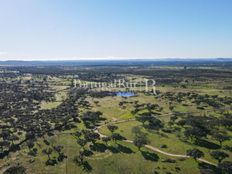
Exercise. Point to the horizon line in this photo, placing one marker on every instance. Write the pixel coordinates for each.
(115, 59)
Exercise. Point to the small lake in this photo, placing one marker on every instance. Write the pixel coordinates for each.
(125, 94)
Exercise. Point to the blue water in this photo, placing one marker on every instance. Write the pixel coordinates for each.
(125, 94)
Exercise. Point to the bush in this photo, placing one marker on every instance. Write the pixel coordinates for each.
(15, 170)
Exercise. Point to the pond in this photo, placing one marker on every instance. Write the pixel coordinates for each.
(125, 94)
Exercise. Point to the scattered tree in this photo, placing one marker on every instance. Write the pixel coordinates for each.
(112, 128)
(220, 137)
(219, 155)
(195, 153)
(225, 167)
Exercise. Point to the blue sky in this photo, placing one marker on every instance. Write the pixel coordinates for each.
(73, 29)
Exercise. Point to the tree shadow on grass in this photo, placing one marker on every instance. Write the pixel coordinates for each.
(99, 147)
(124, 149)
(87, 167)
(113, 149)
(88, 152)
(204, 168)
(4, 154)
(120, 149)
(207, 144)
(150, 156)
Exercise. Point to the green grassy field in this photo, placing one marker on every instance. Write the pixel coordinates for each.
(131, 160)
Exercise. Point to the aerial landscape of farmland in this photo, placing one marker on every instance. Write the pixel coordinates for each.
(50, 120)
(115, 87)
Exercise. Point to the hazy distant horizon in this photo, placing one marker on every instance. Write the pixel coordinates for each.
(118, 58)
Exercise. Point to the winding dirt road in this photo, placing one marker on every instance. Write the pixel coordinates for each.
(154, 149)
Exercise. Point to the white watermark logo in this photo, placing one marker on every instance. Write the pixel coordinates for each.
(147, 85)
